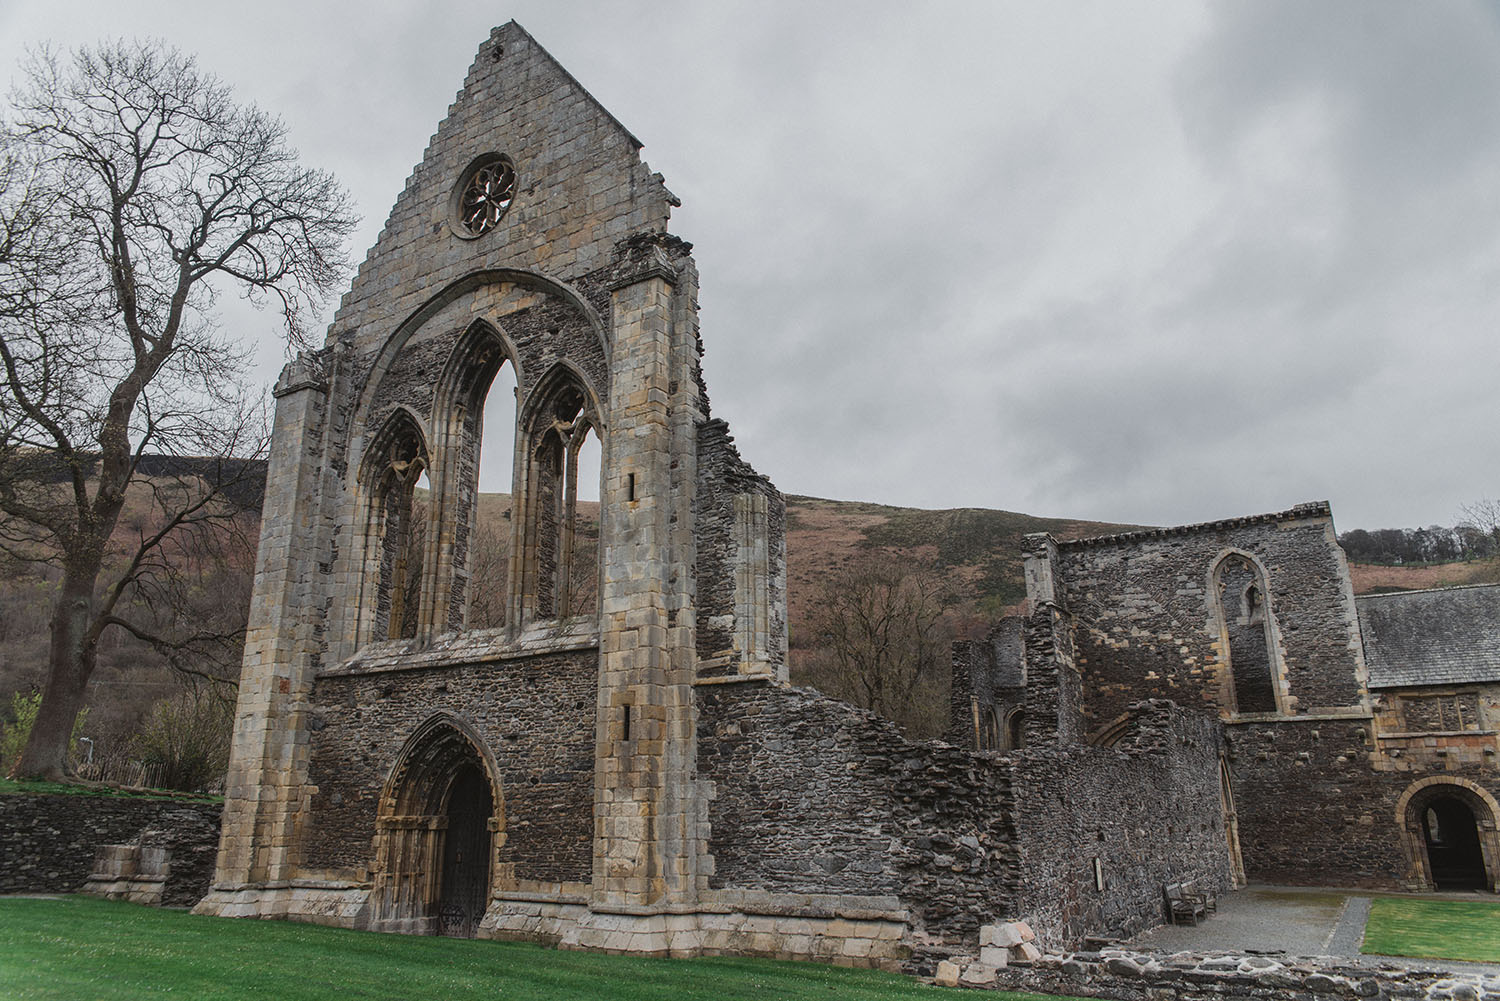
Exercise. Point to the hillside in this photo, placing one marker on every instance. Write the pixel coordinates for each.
(973, 552)
(1370, 578)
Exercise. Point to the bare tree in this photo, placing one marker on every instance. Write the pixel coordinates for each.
(133, 189)
(883, 642)
(489, 561)
(1484, 515)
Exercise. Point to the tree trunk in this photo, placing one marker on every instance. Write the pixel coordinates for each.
(72, 654)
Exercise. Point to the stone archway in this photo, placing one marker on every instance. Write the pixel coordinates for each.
(1449, 831)
(440, 826)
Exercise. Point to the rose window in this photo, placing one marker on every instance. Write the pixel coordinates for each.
(486, 196)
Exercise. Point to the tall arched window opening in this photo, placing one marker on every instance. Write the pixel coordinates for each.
(400, 498)
(1246, 634)
(488, 556)
(582, 528)
(560, 529)
(475, 404)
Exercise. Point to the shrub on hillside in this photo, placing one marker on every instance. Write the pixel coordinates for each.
(184, 741)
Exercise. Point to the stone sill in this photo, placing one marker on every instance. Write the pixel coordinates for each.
(1427, 734)
(734, 679)
(1313, 717)
(475, 646)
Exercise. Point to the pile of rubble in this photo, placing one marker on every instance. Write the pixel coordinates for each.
(999, 946)
(1010, 960)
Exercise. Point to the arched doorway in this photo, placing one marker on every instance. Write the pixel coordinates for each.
(440, 825)
(1448, 828)
(1451, 837)
(463, 889)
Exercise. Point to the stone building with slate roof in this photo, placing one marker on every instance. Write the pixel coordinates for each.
(1360, 735)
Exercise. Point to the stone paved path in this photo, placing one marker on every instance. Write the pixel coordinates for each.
(1295, 921)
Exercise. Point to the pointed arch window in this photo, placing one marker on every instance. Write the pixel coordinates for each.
(559, 555)
(476, 401)
(398, 527)
(1247, 634)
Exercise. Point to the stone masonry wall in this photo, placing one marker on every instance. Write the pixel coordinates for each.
(722, 475)
(536, 714)
(48, 843)
(1311, 808)
(1148, 808)
(1147, 626)
(812, 795)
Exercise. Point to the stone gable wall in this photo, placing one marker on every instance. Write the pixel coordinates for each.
(1146, 626)
(581, 188)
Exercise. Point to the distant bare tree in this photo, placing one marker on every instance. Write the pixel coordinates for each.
(882, 641)
(132, 190)
(1483, 514)
(489, 562)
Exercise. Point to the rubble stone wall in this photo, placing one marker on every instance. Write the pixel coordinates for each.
(720, 569)
(48, 843)
(1148, 808)
(536, 714)
(812, 795)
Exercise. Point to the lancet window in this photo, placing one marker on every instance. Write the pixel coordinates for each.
(559, 557)
(399, 497)
(1247, 634)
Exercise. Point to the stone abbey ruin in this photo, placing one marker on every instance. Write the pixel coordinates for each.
(622, 763)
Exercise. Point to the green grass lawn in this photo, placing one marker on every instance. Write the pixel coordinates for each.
(81, 949)
(1433, 929)
(35, 787)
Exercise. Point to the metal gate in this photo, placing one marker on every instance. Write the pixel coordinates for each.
(466, 855)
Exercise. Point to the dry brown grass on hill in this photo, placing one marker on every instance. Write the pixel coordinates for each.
(973, 553)
(1369, 578)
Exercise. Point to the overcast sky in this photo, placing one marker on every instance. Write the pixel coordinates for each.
(1149, 262)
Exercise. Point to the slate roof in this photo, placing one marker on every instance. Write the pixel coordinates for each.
(1445, 636)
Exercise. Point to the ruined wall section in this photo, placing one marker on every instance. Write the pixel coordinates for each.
(741, 563)
(814, 796)
(535, 714)
(1054, 693)
(988, 680)
(1146, 625)
(1148, 808)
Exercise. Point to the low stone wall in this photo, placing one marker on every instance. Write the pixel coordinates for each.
(48, 843)
(1131, 976)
